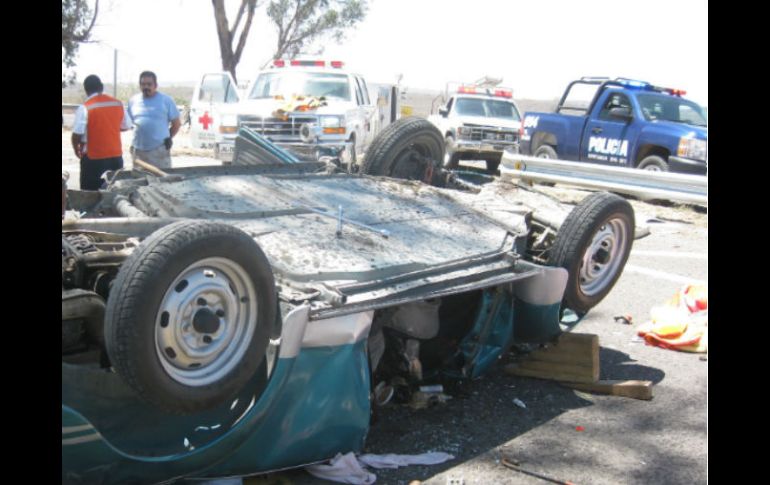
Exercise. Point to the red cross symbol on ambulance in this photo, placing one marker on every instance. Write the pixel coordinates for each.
(205, 120)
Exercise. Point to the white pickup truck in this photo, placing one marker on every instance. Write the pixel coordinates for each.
(478, 123)
(313, 108)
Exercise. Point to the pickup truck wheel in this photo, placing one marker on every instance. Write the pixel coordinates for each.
(653, 163)
(546, 151)
(493, 163)
(411, 148)
(451, 160)
(353, 158)
(593, 245)
(190, 312)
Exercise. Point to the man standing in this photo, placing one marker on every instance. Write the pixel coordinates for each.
(96, 134)
(152, 112)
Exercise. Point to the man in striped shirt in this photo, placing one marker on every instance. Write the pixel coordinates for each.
(96, 134)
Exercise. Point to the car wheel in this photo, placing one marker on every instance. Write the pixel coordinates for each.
(546, 151)
(411, 148)
(593, 245)
(189, 315)
(653, 163)
(451, 160)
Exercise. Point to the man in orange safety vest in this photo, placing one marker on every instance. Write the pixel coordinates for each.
(96, 134)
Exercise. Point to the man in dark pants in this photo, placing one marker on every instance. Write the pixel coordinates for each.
(96, 134)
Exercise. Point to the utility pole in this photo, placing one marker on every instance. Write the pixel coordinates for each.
(115, 74)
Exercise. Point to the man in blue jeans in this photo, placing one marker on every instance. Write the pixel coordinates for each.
(156, 121)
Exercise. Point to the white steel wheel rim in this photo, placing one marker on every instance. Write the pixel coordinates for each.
(602, 259)
(206, 321)
(653, 168)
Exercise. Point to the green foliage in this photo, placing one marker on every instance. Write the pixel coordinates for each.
(303, 23)
(77, 21)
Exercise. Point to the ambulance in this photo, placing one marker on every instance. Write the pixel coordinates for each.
(313, 108)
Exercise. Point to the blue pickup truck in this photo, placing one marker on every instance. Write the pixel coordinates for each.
(626, 123)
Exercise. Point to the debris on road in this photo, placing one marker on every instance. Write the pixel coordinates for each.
(624, 319)
(514, 465)
(349, 468)
(520, 403)
(681, 323)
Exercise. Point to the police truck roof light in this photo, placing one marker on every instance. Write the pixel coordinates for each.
(279, 63)
(336, 64)
(630, 83)
(503, 93)
(677, 92)
(466, 90)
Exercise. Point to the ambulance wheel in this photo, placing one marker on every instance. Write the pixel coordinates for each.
(653, 163)
(593, 244)
(451, 160)
(411, 148)
(189, 315)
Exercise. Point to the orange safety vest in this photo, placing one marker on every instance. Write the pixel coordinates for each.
(105, 115)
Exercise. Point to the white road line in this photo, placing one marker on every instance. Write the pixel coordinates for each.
(671, 254)
(662, 275)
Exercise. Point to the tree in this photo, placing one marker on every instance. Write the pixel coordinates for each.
(230, 57)
(76, 25)
(302, 22)
(299, 23)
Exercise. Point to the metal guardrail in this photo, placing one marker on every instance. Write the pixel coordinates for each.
(644, 184)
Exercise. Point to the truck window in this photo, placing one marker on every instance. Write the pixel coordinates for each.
(359, 96)
(217, 88)
(301, 83)
(364, 91)
(614, 100)
(490, 108)
(671, 108)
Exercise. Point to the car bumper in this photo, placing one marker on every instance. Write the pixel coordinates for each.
(483, 147)
(687, 165)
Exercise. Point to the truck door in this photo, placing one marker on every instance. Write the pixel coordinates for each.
(214, 91)
(368, 115)
(608, 133)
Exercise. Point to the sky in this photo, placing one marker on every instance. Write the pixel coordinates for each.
(536, 46)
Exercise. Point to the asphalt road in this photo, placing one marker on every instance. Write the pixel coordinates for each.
(624, 441)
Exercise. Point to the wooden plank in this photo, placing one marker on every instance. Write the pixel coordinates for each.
(632, 389)
(555, 354)
(557, 372)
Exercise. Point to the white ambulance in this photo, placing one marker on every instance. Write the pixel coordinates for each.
(313, 108)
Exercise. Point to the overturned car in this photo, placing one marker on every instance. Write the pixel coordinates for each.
(234, 320)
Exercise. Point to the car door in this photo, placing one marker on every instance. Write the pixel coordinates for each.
(214, 92)
(608, 134)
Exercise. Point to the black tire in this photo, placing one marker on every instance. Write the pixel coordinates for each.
(411, 148)
(600, 231)
(546, 151)
(451, 160)
(493, 164)
(353, 158)
(141, 337)
(653, 163)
